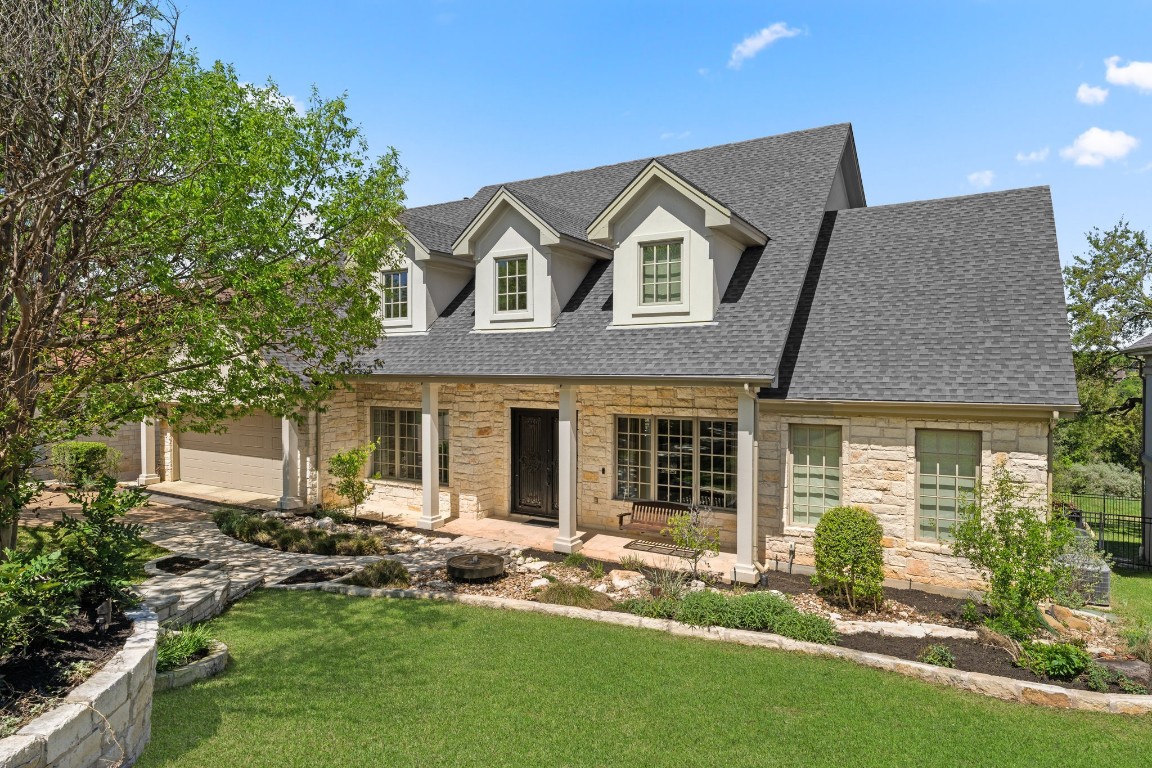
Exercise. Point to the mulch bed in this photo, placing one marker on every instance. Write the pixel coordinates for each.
(317, 575)
(181, 564)
(29, 684)
(971, 656)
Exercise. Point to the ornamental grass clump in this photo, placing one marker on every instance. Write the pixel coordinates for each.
(577, 595)
(850, 557)
(382, 573)
(177, 648)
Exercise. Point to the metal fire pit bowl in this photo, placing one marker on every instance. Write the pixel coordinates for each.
(475, 567)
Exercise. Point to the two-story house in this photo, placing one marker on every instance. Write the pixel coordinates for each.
(730, 326)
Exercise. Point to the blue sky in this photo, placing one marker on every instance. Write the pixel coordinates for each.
(945, 99)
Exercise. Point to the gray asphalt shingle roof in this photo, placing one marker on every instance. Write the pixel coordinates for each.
(956, 300)
(953, 300)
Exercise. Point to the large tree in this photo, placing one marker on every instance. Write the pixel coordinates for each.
(1110, 306)
(173, 240)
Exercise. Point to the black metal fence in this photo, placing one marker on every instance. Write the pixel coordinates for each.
(1116, 525)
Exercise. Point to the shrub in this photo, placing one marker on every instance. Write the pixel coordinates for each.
(1138, 635)
(668, 584)
(382, 573)
(358, 546)
(596, 570)
(575, 559)
(36, 600)
(690, 533)
(1059, 661)
(938, 656)
(1100, 478)
(970, 613)
(83, 463)
(760, 611)
(849, 556)
(1008, 538)
(566, 593)
(757, 610)
(97, 549)
(705, 609)
(177, 648)
(348, 469)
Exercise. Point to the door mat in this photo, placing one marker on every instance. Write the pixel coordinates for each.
(658, 547)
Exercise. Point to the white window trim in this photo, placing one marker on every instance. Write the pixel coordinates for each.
(667, 308)
(397, 322)
(515, 315)
(845, 470)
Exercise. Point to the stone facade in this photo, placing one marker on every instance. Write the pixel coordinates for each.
(480, 425)
(878, 459)
(878, 472)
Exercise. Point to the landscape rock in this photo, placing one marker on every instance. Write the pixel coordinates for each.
(1069, 619)
(324, 524)
(602, 588)
(1135, 670)
(622, 579)
(536, 565)
(539, 583)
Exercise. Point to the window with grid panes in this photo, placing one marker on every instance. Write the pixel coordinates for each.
(815, 471)
(679, 460)
(512, 284)
(396, 432)
(948, 470)
(660, 267)
(395, 295)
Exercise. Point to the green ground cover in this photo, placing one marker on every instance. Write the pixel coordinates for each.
(328, 680)
(39, 539)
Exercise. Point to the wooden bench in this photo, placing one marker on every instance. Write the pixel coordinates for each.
(651, 516)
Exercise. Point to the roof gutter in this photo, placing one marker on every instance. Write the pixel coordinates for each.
(752, 385)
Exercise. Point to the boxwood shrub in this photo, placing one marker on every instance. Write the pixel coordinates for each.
(850, 556)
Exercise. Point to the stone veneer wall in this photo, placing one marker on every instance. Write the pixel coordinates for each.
(105, 721)
(878, 459)
(878, 471)
(480, 453)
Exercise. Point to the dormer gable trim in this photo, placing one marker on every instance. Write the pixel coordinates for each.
(716, 215)
(549, 235)
(422, 252)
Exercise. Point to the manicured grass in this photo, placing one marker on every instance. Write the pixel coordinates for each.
(328, 680)
(1132, 595)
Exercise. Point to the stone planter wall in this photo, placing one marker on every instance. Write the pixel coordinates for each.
(209, 666)
(105, 721)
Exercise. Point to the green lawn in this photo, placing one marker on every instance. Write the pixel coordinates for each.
(1132, 595)
(327, 680)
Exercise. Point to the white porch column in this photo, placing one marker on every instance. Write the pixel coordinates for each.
(746, 507)
(567, 539)
(430, 517)
(148, 474)
(290, 468)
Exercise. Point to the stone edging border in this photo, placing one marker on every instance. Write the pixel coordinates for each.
(105, 720)
(977, 682)
(209, 666)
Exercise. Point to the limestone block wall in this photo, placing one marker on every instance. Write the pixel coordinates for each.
(105, 721)
(480, 426)
(878, 471)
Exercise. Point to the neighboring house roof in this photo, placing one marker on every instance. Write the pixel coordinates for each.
(1141, 346)
(956, 300)
(953, 300)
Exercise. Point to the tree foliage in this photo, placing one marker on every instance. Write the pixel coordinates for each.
(174, 240)
(1109, 306)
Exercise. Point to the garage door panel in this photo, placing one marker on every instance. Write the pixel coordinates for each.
(248, 457)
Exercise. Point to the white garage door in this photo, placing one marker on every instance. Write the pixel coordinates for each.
(247, 457)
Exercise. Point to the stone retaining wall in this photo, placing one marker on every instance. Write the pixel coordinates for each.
(209, 666)
(976, 682)
(105, 721)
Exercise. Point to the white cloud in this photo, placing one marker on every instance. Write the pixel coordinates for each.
(1097, 146)
(1036, 156)
(674, 135)
(753, 44)
(1090, 94)
(981, 179)
(1135, 73)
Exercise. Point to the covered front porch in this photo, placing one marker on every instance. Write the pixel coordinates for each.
(550, 466)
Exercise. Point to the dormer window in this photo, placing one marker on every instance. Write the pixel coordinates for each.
(512, 284)
(395, 295)
(661, 272)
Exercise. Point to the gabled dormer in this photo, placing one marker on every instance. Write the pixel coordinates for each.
(421, 284)
(529, 259)
(675, 249)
